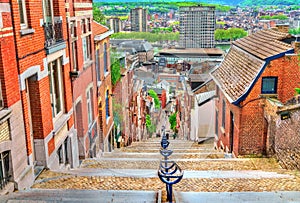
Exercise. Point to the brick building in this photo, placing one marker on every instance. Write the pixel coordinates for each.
(123, 94)
(15, 169)
(84, 89)
(257, 67)
(104, 87)
(43, 62)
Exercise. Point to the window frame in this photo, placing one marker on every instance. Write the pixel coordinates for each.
(267, 80)
(97, 65)
(74, 54)
(60, 88)
(48, 19)
(6, 170)
(107, 106)
(86, 48)
(89, 102)
(105, 62)
(23, 14)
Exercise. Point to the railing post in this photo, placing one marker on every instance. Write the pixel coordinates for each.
(168, 174)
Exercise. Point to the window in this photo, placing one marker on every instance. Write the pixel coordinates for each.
(47, 11)
(223, 113)
(56, 87)
(22, 12)
(5, 173)
(105, 57)
(269, 85)
(73, 29)
(83, 26)
(86, 46)
(74, 54)
(60, 155)
(97, 64)
(107, 104)
(89, 101)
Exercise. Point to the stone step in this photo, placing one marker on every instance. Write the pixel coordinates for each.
(158, 155)
(237, 197)
(178, 150)
(90, 196)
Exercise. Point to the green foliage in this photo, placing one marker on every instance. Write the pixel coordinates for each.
(279, 17)
(270, 2)
(98, 16)
(150, 127)
(162, 30)
(230, 34)
(115, 71)
(150, 37)
(297, 89)
(220, 23)
(153, 94)
(172, 121)
(295, 31)
(117, 112)
(123, 8)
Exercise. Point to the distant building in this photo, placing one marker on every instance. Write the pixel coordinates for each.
(197, 27)
(114, 24)
(190, 55)
(138, 19)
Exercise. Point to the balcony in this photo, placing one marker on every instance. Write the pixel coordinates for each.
(54, 37)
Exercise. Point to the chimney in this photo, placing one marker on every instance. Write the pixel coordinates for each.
(283, 28)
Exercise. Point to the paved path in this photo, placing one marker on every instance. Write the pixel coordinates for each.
(84, 196)
(238, 197)
(207, 173)
(150, 173)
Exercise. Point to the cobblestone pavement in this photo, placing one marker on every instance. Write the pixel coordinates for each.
(189, 161)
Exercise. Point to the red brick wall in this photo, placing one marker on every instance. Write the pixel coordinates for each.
(250, 125)
(8, 71)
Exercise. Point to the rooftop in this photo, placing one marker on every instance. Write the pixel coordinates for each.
(193, 51)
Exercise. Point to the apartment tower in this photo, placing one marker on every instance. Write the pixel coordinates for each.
(197, 26)
(114, 24)
(138, 19)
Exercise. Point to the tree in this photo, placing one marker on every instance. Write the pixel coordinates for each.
(150, 127)
(98, 16)
(153, 94)
(173, 122)
(230, 34)
(295, 31)
(115, 71)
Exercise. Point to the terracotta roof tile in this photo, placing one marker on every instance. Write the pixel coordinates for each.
(236, 73)
(245, 61)
(264, 44)
(98, 28)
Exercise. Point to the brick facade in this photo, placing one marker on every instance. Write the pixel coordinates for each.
(16, 172)
(43, 63)
(250, 128)
(104, 90)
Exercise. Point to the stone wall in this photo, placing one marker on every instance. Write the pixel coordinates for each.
(287, 141)
(284, 134)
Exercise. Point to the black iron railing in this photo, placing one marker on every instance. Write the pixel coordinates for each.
(169, 172)
(53, 33)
